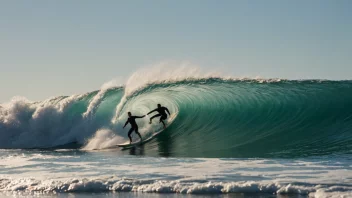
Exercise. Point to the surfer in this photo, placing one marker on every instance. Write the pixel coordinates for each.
(161, 112)
(134, 127)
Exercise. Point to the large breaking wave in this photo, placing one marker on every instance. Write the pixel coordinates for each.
(216, 117)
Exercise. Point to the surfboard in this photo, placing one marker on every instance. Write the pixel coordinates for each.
(127, 145)
(139, 143)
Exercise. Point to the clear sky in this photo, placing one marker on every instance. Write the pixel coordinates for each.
(51, 48)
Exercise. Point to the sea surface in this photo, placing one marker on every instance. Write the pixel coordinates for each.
(229, 138)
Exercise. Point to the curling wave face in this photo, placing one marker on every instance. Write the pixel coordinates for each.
(215, 118)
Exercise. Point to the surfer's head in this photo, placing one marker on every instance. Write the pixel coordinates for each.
(159, 105)
(129, 114)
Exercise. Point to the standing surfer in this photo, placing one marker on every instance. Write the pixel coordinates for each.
(161, 112)
(134, 127)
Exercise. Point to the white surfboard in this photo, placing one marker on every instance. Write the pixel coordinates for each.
(127, 145)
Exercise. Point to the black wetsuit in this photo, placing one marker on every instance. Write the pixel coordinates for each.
(161, 112)
(134, 126)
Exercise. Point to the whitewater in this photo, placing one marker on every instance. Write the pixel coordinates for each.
(245, 137)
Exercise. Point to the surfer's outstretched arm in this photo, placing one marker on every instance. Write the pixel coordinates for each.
(125, 124)
(152, 111)
(139, 116)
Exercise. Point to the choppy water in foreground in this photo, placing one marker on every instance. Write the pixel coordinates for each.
(109, 171)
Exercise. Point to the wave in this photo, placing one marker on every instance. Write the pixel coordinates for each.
(216, 117)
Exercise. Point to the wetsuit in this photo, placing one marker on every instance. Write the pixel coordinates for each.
(134, 126)
(161, 112)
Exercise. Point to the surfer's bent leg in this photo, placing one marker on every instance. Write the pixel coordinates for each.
(129, 134)
(162, 118)
(136, 130)
(157, 115)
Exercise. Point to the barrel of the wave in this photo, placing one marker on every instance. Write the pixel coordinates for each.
(231, 118)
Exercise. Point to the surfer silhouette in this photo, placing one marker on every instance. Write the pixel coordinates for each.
(161, 112)
(134, 127)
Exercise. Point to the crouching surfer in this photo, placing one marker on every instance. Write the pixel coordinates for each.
(161, 112)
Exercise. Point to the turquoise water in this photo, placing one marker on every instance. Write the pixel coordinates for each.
(272, 137)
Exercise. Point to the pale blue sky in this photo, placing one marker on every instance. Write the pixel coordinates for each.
(50, 48)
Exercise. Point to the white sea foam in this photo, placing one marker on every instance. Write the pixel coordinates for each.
(107, 171)
(323, 193)
(27, 124)
(162, 186)
(103, 138)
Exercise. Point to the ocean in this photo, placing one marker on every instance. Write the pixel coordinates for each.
(230, 138)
